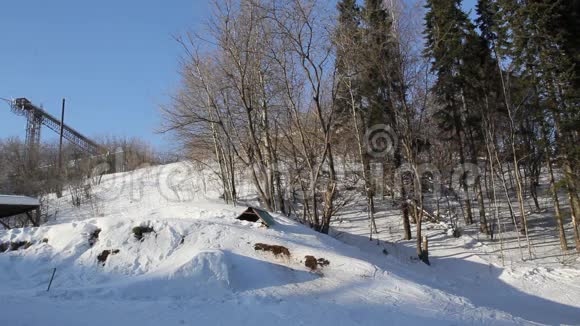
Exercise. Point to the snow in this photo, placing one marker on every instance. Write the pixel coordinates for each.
(199, 267)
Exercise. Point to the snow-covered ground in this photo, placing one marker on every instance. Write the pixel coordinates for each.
(199, 267)
(470, 268)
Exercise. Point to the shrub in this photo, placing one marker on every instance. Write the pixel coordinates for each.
(20, 244)
(310, 262)
(102, 258)
(276, 250)
(13, 246)
(313, 263)
(323, 262)
(140, 231)
(94, 237)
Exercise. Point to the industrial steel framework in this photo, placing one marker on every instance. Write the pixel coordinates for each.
(36, 117)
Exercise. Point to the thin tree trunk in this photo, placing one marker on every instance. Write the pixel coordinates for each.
(406, 223)
(574, 213)
(484, 227)
(557, 211)
(404, 205)
(506, 191)
(573, 199)
(519, 193)
(467, 200)
(494, 203)
(365, 165)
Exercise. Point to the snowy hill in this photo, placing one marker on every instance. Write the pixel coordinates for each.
(199, 266)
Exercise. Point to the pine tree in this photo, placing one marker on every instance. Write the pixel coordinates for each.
(447, 31)
(535, 38)
(348, 28)
(381, 88)
(378, 79)
(486, 19)
(546, 48)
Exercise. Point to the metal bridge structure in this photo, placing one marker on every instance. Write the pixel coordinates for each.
(36, 117)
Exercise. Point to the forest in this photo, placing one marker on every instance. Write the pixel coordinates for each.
(472, 115)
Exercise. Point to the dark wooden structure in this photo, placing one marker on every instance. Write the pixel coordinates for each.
(253, 214)
(14, 205)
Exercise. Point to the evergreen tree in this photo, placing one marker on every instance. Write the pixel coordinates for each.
(381, 87)
(347, 38)
(548, 56)
(449, 35)
(486, 19)
(535, 37)
(378, 77)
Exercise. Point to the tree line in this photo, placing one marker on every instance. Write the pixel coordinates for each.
(44, 177)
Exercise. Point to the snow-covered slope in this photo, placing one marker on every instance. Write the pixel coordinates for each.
(199, 267)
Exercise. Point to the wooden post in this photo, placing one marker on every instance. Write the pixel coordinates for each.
(51, 278)
(60, 159)
(425, 251)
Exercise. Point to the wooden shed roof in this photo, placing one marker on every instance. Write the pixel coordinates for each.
(14, 205)
(254, 214)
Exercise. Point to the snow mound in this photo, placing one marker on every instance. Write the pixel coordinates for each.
(249, 273)
(206, 273)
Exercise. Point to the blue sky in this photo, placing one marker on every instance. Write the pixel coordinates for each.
(113, 60)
